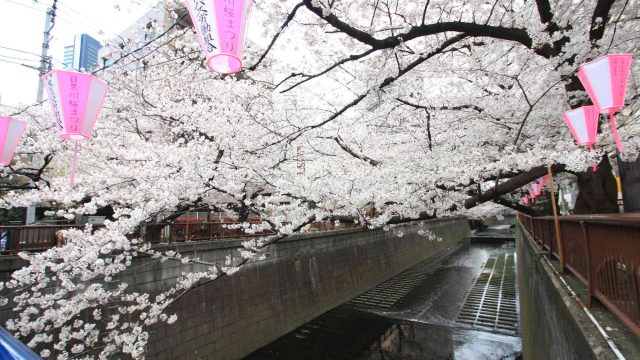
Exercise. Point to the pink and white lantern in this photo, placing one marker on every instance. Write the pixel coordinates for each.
(76, 99)
(583, 123)
(605, 80)
(11, 131)
(221, 27)
(537, 189)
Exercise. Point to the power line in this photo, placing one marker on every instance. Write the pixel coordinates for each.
(176, 23)
(20, 51)
(14, 62)
(17, 58)
(28, 53)
(69, 12)
(25, 5)
(67, 18)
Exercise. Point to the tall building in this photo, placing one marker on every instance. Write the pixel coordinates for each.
(83, 54)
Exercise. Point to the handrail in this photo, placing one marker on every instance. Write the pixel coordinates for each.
(627, 219)
(603, 252)
(14, 239)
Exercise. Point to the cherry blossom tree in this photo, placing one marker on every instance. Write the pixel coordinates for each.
(378, 111)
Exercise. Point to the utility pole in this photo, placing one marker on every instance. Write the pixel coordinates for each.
(45, 59)
(45, 66)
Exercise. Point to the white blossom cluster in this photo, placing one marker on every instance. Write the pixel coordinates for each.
(325, 126)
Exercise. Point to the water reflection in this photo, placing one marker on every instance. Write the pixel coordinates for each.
(347, 333)
(421, 326)
(411, 340)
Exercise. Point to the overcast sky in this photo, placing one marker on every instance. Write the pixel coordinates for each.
(21, 35)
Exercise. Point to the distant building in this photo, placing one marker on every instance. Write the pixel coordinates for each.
(149, 26)
(83, 54)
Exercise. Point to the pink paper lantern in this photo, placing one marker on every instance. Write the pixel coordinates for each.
(76, 99)
(605, 80)
(11, 131)
(537, 189)
(221, 27)
(583, 123)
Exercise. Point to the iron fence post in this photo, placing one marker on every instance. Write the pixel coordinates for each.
(585, 237)
(555, 219)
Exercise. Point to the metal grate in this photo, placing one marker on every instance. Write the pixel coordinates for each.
(491, 304)
(390, 292)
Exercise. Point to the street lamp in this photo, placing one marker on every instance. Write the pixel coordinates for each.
(221, 27)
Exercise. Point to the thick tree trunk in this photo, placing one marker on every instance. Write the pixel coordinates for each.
(597, 192)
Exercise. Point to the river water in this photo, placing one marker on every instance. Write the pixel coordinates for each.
(395, 323)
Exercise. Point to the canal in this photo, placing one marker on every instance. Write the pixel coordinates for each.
(462, 307)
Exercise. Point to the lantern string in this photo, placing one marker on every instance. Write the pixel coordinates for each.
(614, 129)
(73, 163)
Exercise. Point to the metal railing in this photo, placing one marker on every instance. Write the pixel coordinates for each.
(602, 251)
(14, 239)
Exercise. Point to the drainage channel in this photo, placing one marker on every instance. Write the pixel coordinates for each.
(491, 304)
(414, 315)
(389, 293)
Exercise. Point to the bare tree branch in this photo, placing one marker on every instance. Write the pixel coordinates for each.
(524, 209)
(292, 14)
(349, 151)
(470, 29)
(599, 19)
(337, 64)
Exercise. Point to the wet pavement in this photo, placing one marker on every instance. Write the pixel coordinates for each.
(421, 324)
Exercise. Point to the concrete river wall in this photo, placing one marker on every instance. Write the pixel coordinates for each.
(301, 278)
(553, 324)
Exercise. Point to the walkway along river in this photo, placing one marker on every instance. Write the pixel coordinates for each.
(463, 308)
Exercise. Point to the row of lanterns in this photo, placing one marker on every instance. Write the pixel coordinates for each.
(535, 190)
(76, 98)
(605, 80)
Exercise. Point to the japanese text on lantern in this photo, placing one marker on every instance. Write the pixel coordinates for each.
(205, 27)
(51, 89)
(73, 103)
(617, 74)
(229, 28)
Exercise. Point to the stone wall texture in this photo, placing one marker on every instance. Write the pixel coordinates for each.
(299, 279)
(553, 325)
(302, 278)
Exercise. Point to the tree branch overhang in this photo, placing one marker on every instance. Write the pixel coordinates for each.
(512, 184)
(469, 29)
